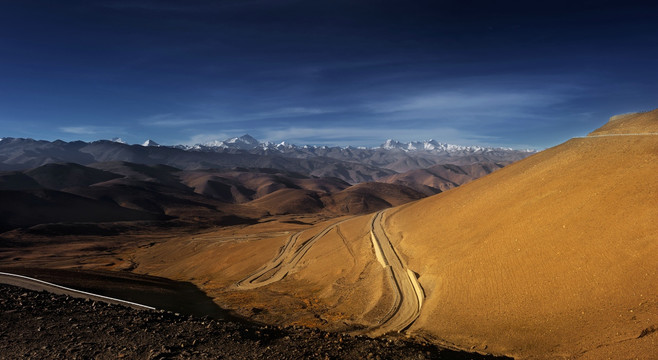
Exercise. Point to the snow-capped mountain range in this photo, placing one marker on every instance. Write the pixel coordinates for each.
(249, 143)
(352, 164)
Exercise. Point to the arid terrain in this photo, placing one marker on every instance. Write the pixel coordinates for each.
(552, 256)
(46, 326)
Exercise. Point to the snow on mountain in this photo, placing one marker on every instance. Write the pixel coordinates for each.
(248, 143)
(391, 144)
(244, 142)
(118, 140)
(150, 142)
(430, 146)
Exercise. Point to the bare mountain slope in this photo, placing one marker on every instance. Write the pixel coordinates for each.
(368, 197)
(438, 178)
(552, 256)
(243, 185)
(633, 123)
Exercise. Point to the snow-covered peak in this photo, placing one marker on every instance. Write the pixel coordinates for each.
(392, 144)
(249, 143)
(118, 140)
(244, 142)
(430, 146)
(150, 142)
(214, 143)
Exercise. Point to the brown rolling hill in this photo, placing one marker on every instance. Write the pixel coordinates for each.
(355, 200)
(244, 185)
(438, 178)
(368, 197)
(289, 201)
(553, 256)
(201, 197)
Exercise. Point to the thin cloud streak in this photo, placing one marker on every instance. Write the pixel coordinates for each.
(493, 103)
(289, 112)
(175, 120)
(88, 130)
(182, 120)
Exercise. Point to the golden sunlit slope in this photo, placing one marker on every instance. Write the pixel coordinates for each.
(633, 123)
(556, 255)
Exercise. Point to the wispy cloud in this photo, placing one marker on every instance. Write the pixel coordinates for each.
(288, 112)
(183, 120)
(88, 130)
(175, 120)
(486, 104)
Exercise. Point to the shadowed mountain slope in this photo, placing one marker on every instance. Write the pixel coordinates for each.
(32, 207)
(16, 180)
(60, 176)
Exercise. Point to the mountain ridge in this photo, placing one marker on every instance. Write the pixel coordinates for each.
(350, 164)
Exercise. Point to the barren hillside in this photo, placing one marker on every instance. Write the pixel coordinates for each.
(552, 256)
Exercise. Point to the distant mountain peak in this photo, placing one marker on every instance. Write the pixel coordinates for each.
(150, 142)
(248, 139)
(118, 140)
(432, 145)
(244, 142)
(247, 142)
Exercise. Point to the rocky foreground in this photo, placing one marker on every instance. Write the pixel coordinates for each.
(41, 325)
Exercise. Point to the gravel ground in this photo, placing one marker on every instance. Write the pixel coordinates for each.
(41, 325)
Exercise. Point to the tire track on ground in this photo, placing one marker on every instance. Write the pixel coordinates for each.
(409, 295)
(287, 258)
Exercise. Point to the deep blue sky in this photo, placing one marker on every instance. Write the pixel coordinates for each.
(519, 74)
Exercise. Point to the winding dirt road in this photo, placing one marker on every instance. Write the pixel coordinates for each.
(409, 294)
(287, 258)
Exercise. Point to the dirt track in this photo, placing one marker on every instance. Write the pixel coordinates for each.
(287, 258)
(408, 292)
